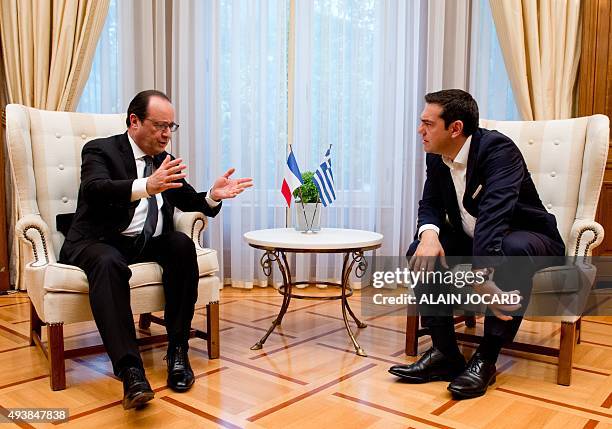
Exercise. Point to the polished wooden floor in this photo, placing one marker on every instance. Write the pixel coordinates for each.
(307, 375)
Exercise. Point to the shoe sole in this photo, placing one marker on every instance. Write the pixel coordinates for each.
(469, 395)
(138, 401)
(421, 380)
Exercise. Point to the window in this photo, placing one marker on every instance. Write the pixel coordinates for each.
(489, 81)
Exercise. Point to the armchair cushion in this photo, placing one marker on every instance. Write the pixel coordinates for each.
(68, 278)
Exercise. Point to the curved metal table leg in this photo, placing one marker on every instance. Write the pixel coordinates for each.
(346, 270)
(283, 266)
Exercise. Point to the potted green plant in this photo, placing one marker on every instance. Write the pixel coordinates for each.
(308, 205)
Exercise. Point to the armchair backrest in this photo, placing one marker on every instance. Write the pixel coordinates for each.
(44, 148)
(566, 159)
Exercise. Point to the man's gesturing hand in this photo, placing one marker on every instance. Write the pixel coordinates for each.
(166, 175)
(427, 252)
(224, 187)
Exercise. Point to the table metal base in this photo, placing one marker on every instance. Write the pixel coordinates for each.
(350, 259)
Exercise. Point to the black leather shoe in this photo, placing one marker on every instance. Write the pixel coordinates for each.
(473, 382)
(432, 366)
(136, 389)
(180, 374)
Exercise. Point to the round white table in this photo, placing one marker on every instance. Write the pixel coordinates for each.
(279, 241)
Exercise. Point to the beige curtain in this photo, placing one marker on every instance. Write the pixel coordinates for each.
(47, 49)
(540, 42)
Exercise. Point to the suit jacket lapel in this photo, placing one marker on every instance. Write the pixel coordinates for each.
(128, 156)
(471, 165)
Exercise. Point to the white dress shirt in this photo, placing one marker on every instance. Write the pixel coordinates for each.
(458, 169)
(139, 192)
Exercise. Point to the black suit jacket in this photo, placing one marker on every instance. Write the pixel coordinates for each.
(507, 200)
(104, 208)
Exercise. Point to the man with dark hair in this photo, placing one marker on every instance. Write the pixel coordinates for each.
(129, 188)
(478, 199)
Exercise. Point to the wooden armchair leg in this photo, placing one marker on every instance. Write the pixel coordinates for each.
(578, 330)
(57, 367)
(566, 353)
(144, 322)
(470, 319)
(412, 327)
(35, 324)
(212, 329)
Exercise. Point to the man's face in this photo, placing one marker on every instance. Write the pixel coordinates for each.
(152, 134)
(436, 138)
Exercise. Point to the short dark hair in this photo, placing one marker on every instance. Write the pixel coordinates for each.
(457, 105)
(139, 104)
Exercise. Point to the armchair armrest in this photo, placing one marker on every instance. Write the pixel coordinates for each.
(192, 224)
(33, 230)
(584, 237)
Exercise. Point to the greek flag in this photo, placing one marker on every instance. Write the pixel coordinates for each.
(324, 180)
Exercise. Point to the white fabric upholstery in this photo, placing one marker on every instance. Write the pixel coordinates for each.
(566, 159)
(45, 152)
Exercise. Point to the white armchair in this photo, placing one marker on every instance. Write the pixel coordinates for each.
(45, 153)
(566, 159)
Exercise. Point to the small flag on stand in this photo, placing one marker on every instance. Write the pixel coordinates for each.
(292, 179)
(324, 180)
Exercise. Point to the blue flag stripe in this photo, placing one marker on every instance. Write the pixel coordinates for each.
(330, 185)
(322, 186)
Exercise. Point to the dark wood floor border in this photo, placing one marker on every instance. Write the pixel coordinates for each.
(217, 420)
(297, 343)
(15, 348)
(295, 310)
(352, 351)
(309, 393)
(444, 407)
(591, 424)
(258, 369)
(19, 423)
(553, 402)
(257, 328)
(115, 403)
(384, 328)
(14, 303)
(392, 411)
(15, 333)
(27, 380)
(527, 356)
(597, 322)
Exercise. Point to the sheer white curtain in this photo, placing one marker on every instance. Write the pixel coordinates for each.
(359, 87)
(230, 93)
(489, 82)
(131, 56)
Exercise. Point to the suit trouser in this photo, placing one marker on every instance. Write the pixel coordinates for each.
(514, 275)
(106, 266)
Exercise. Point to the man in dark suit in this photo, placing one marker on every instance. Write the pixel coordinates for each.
(478, 200)
(129, 188)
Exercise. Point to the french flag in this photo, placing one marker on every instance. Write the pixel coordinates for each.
(292, 179)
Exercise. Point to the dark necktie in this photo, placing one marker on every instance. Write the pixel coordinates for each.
(151, 221)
